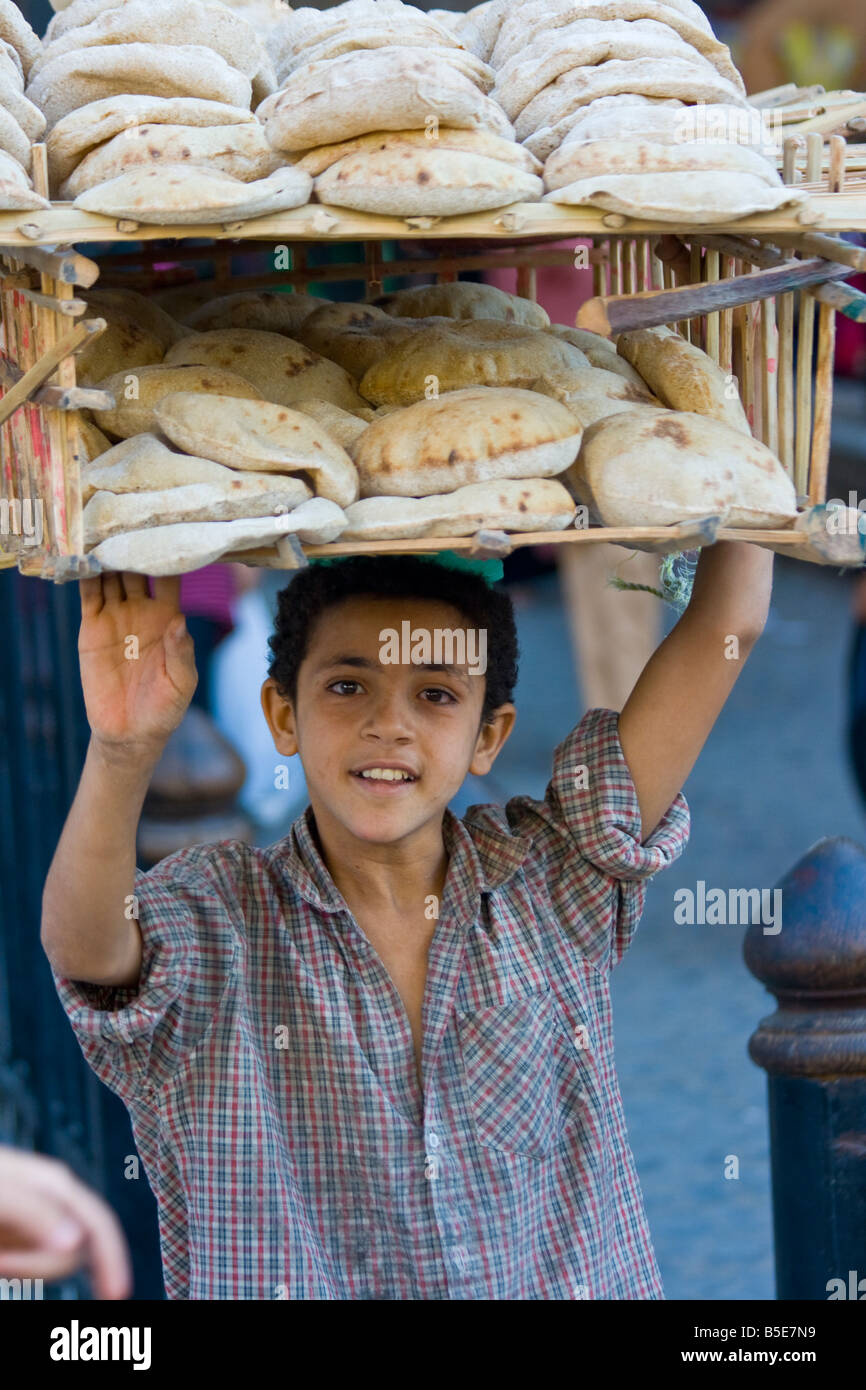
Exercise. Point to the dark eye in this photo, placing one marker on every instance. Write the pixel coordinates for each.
(437, 690)
(334, 684)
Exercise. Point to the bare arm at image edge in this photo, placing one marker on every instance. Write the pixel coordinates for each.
(138, 676)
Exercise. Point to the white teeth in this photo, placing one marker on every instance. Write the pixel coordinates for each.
(386, 774)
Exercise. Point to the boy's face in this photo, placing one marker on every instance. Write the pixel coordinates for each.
(358, 709)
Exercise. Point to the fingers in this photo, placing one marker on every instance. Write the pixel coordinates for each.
(107, 1252)
(37, 1264)
(50, 1220)
(90, 591)
(112, 589)
(167, 590)
(29, 1215)
(135, 585)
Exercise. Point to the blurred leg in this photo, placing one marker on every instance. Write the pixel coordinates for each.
(613, 632)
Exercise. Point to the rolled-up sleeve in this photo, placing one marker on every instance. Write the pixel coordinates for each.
(136, 1038)
(587, 834)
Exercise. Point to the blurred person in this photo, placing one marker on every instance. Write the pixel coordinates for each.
(807, 42)
(51, 1226)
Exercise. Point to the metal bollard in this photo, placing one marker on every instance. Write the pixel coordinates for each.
(813, 1049)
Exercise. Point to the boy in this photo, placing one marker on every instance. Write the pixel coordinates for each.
(375, 1060)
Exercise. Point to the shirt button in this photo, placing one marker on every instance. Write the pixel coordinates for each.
(432, 1141)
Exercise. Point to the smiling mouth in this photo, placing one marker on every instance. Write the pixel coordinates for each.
(385, 777)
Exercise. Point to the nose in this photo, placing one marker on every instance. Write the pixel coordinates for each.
(387, 718)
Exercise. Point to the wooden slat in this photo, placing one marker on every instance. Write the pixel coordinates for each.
(65, 225)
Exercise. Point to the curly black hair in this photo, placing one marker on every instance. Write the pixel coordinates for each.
(317, 588)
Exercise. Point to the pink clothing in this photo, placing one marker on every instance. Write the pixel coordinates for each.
(560, 289)
(209, 593)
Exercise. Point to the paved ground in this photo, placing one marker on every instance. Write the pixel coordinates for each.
(772, 780)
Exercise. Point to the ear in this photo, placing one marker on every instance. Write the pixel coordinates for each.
(280, 714)
(491, 738)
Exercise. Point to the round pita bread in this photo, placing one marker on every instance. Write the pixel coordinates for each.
(380, 38)
(166, 22)
(124, 345)
(15, 31)
(373, 90)
(16, 196)
(668, 123)
(163, 21)
(265, 438)
(137, 393)
(660, 467)
(470, 352)
(108, 302)
(143, 463)
(461, 299)
(413, 182)
(684, 198)
(682, 376)
(508, 504)
(179, 301)
(613, 156)
(191, 194)
(482, 142)
(89, 444)
(268, 310)
(14, 141)
(599, 352)
(74, 14)
(468, 436)
(189, 545)
(596, 392)
(11, 55)
(283, 370)
(13, 100)
(352, 335)
(621, 114)
(99, 121)
(652, 77)
(240, 151)
(590, 41)
(522, 25)
(108, 514)
(481, 26)
(344, 428)
(11, 171)
(147, 69)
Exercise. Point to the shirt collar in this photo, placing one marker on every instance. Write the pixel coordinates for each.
(481, 859)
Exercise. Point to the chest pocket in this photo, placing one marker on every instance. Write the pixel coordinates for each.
(509, 1066)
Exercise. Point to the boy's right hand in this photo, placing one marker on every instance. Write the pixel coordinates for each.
(137, 661)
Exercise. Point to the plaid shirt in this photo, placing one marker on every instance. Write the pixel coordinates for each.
(268, 1067)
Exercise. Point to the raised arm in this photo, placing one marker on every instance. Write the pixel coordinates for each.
(683, 687)
(138, 676)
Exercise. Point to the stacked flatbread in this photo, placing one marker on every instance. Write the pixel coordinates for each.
(391, 113)
(635, 107)
(154, 510)
(441, 411)
(479, 457)
(21, 123)
(150, 108)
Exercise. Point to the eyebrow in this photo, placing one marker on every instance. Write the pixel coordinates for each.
(362, 663)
